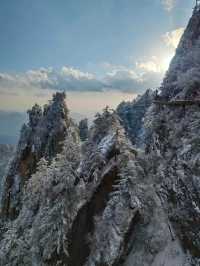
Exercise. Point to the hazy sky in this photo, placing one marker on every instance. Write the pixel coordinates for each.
(99, 51)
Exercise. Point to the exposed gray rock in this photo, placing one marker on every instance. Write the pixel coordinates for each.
(99, 209)
(41, 137)
(132, 115)
(174, 129)
(106, 202)
(83, 129)
(6, 154)
(183, 77)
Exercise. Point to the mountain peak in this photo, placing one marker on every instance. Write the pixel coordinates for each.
(182, 79)
(42, 136)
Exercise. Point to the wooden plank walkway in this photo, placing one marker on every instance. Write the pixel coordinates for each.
(178, 102)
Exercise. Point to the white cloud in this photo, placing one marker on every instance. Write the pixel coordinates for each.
(168, 4)
(68, 79)
(112, 68)
(150, 65)
(136, 78)
(123, 80)
(147, 73)
(76, 74)
(156, 64)
(172, 38)
(133, 80)
(160, 64)
(117, 78)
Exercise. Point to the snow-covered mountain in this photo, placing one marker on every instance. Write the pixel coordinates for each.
(183, 78)
(127, 195)
(41, 137)
(132, 116)
(6, 154)
(174, 131)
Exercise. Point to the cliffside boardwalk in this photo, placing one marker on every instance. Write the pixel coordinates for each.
(127, 194)
(178, 103)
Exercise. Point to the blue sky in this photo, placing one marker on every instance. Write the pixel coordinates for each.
(84, 33)
(99, 51)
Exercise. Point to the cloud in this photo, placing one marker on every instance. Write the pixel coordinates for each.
(168, 4)
(112, 68)
(157, 65)
(67, 79)
(76, 74)
(133, 80)
(151, 65)
(38, 82)
(172, 38)
(161, 64)
(123, 80)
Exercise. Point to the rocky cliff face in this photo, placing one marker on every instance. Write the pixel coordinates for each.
(94, 206)
(174, 142)
(83, 129)
(6, 154)
(182, 79)
(132, 115)
(105, 202)
(41, 137)
(66, 203)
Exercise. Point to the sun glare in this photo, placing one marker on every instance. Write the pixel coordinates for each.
(166, 62)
